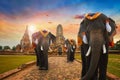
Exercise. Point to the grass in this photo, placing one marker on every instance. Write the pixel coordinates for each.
(78, 56)
(9, 62)
(113, 63)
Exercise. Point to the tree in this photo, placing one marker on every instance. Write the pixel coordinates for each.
(0, 48)
(13, 48)
(6, 47)
(117, 45)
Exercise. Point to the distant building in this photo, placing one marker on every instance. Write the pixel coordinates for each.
(25, 41)
(18, 48)
(25, 44)
(59, 37)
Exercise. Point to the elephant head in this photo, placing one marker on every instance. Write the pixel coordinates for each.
(70, 46)
(46, 41)
(96, 35)
(43, 39)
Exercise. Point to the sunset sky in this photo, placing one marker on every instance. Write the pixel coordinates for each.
(15, 15)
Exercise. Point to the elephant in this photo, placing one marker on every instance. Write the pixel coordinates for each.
(95, 32)
(41, 41)
(60, 50)
(70, 46)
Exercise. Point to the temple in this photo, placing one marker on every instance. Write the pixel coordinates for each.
(25, 44)
(59, 37)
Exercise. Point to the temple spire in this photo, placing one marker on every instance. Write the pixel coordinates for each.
(25, 41)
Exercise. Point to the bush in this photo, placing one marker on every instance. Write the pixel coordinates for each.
(117, 46)
(6, 47)
(0, 48)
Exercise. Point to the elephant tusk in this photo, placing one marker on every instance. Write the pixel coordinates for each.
(65, 45)
(51, 42)
(71, 50)
(108, 27)
(88, 52)
(85, 39)
(74, 47)
(41, 48)
(104, 49)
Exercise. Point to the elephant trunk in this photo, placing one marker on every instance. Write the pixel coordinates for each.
(96, 41)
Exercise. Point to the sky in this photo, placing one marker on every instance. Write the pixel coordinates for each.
(15, 15)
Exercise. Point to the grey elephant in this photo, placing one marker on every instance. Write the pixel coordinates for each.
(41, 41)
(60, 50)
(70, 46)
(96, 32)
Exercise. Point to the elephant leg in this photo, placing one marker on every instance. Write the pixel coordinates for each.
(83, 58)
(60, 53)
(37, 57)
(72, 56)
(103, 66)
(46, 60)
(41, 59)
(68, 56)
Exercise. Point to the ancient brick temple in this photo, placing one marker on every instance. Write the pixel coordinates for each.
(59, 36)
(25, 44)
(25, 41)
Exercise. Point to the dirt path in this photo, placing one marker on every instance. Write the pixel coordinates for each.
(59, 69)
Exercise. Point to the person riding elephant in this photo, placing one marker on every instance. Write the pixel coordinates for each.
(96, 32)
(70, 46)
(41, 41)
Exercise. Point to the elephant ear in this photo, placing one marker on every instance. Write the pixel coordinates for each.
(108, 27)
(83, 29)
(113, 26)
(52, 37)
(113, 32)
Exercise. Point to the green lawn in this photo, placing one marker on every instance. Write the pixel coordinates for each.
(113, 63)
(8, 62)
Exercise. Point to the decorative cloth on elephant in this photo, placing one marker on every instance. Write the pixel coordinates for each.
(44, 33)
(79, 41)
(92, 16)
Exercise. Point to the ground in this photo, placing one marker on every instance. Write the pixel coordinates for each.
(59, 69)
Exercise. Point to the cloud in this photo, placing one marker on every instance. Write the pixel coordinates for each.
(78, 16)
(50, 22)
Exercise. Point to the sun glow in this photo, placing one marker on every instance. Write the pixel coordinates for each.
(32, 29)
